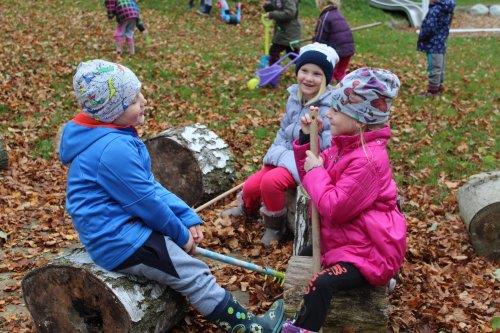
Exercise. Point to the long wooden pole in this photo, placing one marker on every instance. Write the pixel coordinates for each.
(314, 212)
(219, 197)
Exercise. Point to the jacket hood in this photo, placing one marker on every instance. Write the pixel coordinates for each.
(81, 132)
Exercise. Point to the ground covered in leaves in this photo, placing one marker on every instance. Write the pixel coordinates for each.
(195, 70)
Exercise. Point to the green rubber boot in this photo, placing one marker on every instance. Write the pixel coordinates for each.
(233, 317)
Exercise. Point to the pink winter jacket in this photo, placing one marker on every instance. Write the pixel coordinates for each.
(356, 200)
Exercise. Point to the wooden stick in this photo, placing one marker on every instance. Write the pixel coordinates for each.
(314, 210)
(219, 197)
(366, 26)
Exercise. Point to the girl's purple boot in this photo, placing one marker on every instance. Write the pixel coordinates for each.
(289, 327)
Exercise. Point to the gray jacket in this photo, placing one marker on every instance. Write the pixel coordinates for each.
(281, 151)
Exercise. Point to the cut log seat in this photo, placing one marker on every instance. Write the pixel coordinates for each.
(72, 294)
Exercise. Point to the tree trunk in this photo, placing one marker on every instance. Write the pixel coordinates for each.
(358, 310)
(72, 294)
(192, 162)
(302, 222)
(4, 158)
(479, 206)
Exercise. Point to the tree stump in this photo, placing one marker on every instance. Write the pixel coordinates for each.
(72, 294)
(192, 162)
(359, 310)
(479, 206)
(4, 158)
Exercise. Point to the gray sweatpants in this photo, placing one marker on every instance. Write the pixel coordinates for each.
(435, 68)
(162, 260)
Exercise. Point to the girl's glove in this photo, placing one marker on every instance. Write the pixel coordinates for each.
(312, 161)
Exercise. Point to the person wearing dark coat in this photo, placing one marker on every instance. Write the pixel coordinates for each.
(332, 29)
(432, 40)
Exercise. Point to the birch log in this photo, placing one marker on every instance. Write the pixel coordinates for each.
(479, 206)
(4, 158)
(359, 310)
(192, 162)
(72, 294)
(302, 222)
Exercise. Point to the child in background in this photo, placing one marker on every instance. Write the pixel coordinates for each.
(285, 14)
(127, 221)
(266, 189)
(332, 29)
(127, 13)
(205, 7)
(227, 15)
(432, 40)
(363, 233)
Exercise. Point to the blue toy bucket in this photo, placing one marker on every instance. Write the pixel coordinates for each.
(272, 74)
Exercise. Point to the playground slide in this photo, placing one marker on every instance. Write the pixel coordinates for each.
(412, 9)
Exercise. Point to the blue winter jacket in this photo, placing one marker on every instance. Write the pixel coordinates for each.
(112, 196)
(281, 151)
(436, 27)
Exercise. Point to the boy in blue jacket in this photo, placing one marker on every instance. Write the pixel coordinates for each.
(126, 220)
(432, 40)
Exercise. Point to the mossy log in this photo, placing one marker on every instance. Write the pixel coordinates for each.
(359, 310)
(4, 158)
(72, 294)
(192, 162)
(479, 206)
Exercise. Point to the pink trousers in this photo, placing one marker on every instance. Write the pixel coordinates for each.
(267, 186)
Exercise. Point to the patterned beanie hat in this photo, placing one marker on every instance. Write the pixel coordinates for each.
(319, 54)
(104, 90)
(366, 95)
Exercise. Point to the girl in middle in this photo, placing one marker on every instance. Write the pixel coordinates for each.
(266, 189)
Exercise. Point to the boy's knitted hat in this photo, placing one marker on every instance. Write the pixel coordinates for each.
(366, 95)
(104, 90)
(319, 54)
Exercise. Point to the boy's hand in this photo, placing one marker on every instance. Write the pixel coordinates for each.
(190, 246)
(197, 233)
(312, 161)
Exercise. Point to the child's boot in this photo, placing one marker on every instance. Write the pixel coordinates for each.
(275, 223)
(432, 91)
(238, 210)
(131, 46)
(289, 327)
(233, 317)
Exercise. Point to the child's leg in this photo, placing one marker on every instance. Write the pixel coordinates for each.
(161, 260)
(435, 63)
(238, 12)
(341, 68)
(119, 37)
(274, 52)
(441, 88)
(273, 189)
(251, 193)
(129, 33)
(320, 291)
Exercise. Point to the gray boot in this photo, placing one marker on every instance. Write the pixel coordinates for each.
(275, 223)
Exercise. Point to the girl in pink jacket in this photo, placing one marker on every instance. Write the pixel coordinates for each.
(363, 232)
